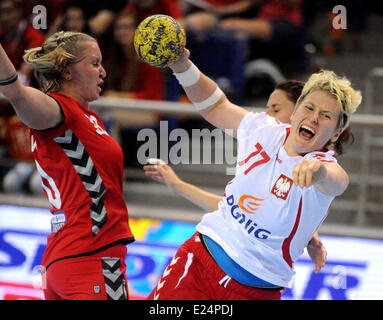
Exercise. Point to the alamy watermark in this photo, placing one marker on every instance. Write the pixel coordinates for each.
(178, 146)
(340, 20)
(39, 20)
(340, 279)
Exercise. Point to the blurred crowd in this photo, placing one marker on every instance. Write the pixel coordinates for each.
(237, 42)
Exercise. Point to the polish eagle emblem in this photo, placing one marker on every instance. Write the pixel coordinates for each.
(282, 187)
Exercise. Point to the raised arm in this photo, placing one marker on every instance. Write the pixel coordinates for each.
(204, 93)
(164, 173)
(36, 109)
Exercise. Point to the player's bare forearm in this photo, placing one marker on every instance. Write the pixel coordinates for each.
(333, 181)
(225, 115)
(329, 178)
(222, 113)
(205, 200)
(161, 172)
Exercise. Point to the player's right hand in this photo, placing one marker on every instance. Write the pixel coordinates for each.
(161, 172)
(183, 63)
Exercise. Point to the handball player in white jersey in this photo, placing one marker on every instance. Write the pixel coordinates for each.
(279, 105)
(285, 181)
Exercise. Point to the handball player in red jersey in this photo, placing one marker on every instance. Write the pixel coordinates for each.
(85, 253)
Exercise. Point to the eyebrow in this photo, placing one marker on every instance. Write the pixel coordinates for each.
(95, 58)
(309, 102)
(325, 111)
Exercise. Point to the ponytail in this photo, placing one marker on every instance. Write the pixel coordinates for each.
(50, 60)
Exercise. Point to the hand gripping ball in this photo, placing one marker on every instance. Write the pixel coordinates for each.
(159, 40)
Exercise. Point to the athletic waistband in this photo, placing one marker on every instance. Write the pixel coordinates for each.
(89, 253)
(233, 269)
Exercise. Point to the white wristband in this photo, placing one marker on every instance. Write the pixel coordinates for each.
(155, 162)
(215, 96)
(188, 77)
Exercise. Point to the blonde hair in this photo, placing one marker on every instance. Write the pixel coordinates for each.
(339, 88)
(50, 60)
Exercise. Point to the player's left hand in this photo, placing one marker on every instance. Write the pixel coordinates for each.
(317, 253)
(308, 172)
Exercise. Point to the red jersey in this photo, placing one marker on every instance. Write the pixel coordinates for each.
(81, 168)
(28, 37)
(280, 9)
(169, 7)
(222, 3)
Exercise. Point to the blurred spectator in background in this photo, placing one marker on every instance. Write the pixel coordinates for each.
(129, 77)
(326, 39)
(268, 37)
(23, 176)
(145, 8)
(74, 18)
(275, 33)
(16, 35)
(6, 111)
(99, 15)
(205, 14)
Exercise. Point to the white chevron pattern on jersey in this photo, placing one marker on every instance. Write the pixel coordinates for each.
(115, 285)
(89, 176)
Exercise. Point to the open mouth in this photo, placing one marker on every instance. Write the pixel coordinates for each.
(306, 132)
(99, 86)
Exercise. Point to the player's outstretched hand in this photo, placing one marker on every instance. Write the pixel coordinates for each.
(161, 172)
(308, 172)
(317, 253)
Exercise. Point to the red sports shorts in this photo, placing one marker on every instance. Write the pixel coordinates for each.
(194, 275)
(99, 276)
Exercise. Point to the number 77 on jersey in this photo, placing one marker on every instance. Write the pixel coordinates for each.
(264, 158)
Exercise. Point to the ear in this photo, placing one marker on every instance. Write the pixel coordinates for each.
(335, 137)
(67, 75)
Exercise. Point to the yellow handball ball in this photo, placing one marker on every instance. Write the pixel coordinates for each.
(159, 40)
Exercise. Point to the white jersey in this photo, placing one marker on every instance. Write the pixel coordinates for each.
(264, 221)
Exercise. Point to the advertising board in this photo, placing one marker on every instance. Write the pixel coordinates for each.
(353, 271)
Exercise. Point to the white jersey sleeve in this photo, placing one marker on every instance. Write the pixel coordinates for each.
(323, 156)
(254, 121)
